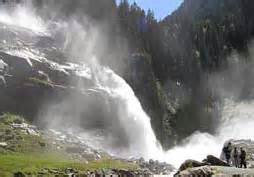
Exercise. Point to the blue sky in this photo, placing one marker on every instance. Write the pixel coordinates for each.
(161, 8)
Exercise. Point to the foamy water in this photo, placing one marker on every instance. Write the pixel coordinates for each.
(133, 119)
(237, 122)
(22, 16)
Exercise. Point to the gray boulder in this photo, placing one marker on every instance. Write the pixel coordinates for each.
(190, 164)
(210, 160)
(214, 161)
(19, 67)
(205, 171)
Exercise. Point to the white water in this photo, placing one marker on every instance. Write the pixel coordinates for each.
(22, 16)
(135, 122)
(236, 122)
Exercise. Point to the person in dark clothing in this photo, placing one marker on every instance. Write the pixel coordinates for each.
(227, 152)
(236, 157)
(243, 158)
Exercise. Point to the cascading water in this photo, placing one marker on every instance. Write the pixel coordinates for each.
(22, 17)
(133, 122)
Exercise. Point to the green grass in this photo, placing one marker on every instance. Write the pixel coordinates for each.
(34, 163)
(31, 154)
(17, 140)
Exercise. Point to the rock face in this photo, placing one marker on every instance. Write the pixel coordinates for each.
(152, 97)
(32, 72)
(197, 38)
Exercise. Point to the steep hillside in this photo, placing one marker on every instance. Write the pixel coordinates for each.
(198, 38)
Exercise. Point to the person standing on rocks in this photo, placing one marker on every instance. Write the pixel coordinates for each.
(243, 158)
(227, 152)
(236, 157)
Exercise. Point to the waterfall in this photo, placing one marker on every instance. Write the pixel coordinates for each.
(128, 130)
(134, 121)
(23, 17)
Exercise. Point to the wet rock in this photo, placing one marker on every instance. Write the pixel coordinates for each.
(154, 167)
(43, 76)
(29, 129)
(205, 171)
(190, 164)
(2, 81)
(21, 67)
(193, 164)
(214, 161)
(3, 66)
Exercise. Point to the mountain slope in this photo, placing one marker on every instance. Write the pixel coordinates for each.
(198, 40)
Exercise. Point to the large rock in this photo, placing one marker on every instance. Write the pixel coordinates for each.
(152, 97)
(210, 160)
(204, 171)
(190, 164)
(20, 67)
(214, 161)
(215, 171)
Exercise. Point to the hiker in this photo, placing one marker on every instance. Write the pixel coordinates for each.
(243, 158)
(227, 152)
(236, 157)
